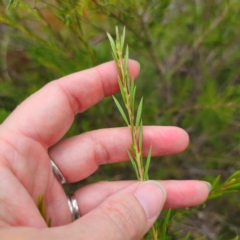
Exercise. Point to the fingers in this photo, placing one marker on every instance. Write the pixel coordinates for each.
(180, 194)
(80, 156)
(127, 210)
(127, 214)
(47, 115)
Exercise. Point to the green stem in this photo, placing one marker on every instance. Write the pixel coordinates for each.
(134, 131)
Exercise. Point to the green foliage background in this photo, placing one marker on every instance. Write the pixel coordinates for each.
(189, 53)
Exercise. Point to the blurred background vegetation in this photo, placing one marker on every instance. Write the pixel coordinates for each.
(189, 51)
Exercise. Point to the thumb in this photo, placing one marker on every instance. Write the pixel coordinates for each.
(127, 214)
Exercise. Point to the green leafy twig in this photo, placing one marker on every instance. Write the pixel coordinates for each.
(134, 122)
(231, 185)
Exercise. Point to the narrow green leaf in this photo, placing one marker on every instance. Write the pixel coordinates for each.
(213, 196)
(148, 164)
(132, 85)
(230, 191)
(167, 217)
(216, 181)
(166, 221)
(128, 81)
(112, 43)
(126, 74)
(126, 59)
(140, 140)
(222, 193)
(140, 137)
(134, 164)
(117, 35)
(234, 175)
(120, 110)
(139, 113)
(234, 185)
(133, 99)
(123, 37)
(122, 89)
(11, 2)
(132, 95)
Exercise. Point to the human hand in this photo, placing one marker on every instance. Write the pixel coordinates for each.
(30, 137)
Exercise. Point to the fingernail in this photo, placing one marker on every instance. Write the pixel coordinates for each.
(151, 195)
(209, 185)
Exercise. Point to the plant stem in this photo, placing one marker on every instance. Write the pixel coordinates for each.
(127, 89)
(134, 130)
(154, 233)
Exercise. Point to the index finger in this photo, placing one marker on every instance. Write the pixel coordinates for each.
(47, 114)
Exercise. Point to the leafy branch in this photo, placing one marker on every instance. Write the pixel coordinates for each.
(134, 121)
(231, 185)
(128, 91)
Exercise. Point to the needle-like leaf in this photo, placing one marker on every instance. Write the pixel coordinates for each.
(166, 221)
(10, 4)
(133, 99)
(122, 89)
(123, 37)
(234, 175)
(140, 136)
(121, 110)
(117, 35)
(126, 58)
(133, 163)
(112, 46)
(139, 113)
(216, 181)
(148, 164)
(234, 185)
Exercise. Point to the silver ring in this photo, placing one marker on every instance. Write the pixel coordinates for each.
(72, 202)
(73, 206)
(58, 173)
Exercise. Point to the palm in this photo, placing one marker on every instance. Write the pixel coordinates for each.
(28, 175)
